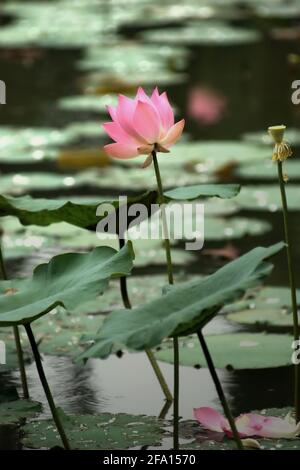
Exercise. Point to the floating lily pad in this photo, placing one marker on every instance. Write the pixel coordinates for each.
(80, 277)
(266, 298)
(21, 245)
(96, 432)
(276, 318)
(127, 58)
(234, 351)
(13, 412)
(207, 157)
(93, 103)
(101, 82)
(268, 170)
(267, 198)
(51, 30)
(270, 306)
(183, 309)
(263, 138)
(204, 33)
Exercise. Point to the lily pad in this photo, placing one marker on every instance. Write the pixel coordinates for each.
(276, 318)
(44, 212)
(207, 157)
(92, 103)
(268, 171)
(266, 298)
(183, 309)
(197, 191)
(234, 351)
(263, 138)
(267, 198)
(127, 58)
(13, 412)
(96, 432)
(209, 33)
(80, 277)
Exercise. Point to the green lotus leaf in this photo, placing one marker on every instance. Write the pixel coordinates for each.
(82, 212)
(34, 211)
(204, 33)
(183, 309)
(68, 280)
(13, 411)
(187, 193)
(96, 432)
(234, 351)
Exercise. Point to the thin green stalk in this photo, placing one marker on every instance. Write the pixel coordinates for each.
(161, 201)
(19, 349)
(176, 393)
(150, 355)
(46, 387)
(220, 391)
(175, 339)
(292, 284)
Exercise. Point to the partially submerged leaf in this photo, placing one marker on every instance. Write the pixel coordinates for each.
(185, 308)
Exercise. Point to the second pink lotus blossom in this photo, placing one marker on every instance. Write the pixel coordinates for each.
(249, 424)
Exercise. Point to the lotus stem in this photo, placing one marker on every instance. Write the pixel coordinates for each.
(150, 355)
(292, 284)
(220, 392)
(46, 387)
(20, 356)
(167, 244)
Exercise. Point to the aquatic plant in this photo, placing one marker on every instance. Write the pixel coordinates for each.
(281, 152)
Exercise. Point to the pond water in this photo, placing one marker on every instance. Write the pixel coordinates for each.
(247, 84)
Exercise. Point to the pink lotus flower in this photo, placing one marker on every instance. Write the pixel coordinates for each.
(206, 106)
(249, 424)
(142, 125)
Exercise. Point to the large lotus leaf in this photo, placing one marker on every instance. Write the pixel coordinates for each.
(234, 351)
(208, 440)
(267, 197)
(82, 212)
(59, 332)
(13, 411)
(96, 432)
(67, 280)
(185, 308)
